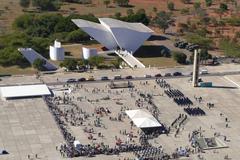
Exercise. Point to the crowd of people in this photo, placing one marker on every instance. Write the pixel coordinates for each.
(152, 153)
(181, 100)
(66, 112)
(179, 121)
(194, 111)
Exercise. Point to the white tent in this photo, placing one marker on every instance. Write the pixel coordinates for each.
(24, 91)
(142, 119)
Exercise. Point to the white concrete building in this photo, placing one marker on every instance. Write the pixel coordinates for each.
(121, 37)
(56, 52)
(89, 52)
(115, 34)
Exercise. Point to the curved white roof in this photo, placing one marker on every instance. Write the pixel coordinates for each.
(114, 33)
(97, 31)
(114, 23)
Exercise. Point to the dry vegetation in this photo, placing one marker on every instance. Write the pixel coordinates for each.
(10, 9)
(16, 70)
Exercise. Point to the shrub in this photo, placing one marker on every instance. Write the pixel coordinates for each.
(70, 64)
(208, 3)
(39, 64)
(223, 7)
(179, 57)
(171, 6)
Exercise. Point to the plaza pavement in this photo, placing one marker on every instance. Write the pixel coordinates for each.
(27, 127)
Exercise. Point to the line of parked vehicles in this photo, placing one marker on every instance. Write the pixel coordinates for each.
(185, 45)
(119, 77)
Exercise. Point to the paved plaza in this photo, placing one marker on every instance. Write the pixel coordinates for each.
(29, 128)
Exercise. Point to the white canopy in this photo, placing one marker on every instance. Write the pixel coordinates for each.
(24, 91)
(142, 119)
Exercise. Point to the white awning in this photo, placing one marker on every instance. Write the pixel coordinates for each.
(24, 91)
(142, 119)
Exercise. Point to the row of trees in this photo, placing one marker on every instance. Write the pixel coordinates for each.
(38, 32)
(45, 5)
(181, 58)
(54, 5)
(139, 16)
(49, 5)
(95, 61)
(52, 25)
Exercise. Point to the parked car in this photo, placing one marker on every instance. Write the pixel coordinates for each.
(177, 74)
(204, 71)
(183, 45)
(192, 47)
(129, 77)
(3, 152)
(91, 78)
(167, 75)
(117, 77)
(104, 78)
(71, 80)
(81, 79)
(158, 75)
(147, 76)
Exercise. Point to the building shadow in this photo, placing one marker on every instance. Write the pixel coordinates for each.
(157, 38)
(150, 51)
(223, 87)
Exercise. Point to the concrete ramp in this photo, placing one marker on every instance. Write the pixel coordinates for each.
(31, 55)
(129, 59)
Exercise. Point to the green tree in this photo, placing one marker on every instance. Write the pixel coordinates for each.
(117, 62)
(171, 6)
(121, 3)
(47, 5)
(130, 12)
(141, 11)
(117, 15)
(106, 3)
(155, 9)
(223, 7)
(77, 36)
(197, 5)
(163, 20)
(39, 64)
(208, 3)
(185, 11)
(140, 17)
(204, 55)
(70, 64)
(202, 41)
(179, 57)
(186, 1)
(24, 3)
(95, 60)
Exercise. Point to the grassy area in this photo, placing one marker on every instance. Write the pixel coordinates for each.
(16, 70)
(159, 62)
(75, 50)
(10, 9)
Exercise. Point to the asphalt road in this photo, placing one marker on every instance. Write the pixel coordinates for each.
(144, 78)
